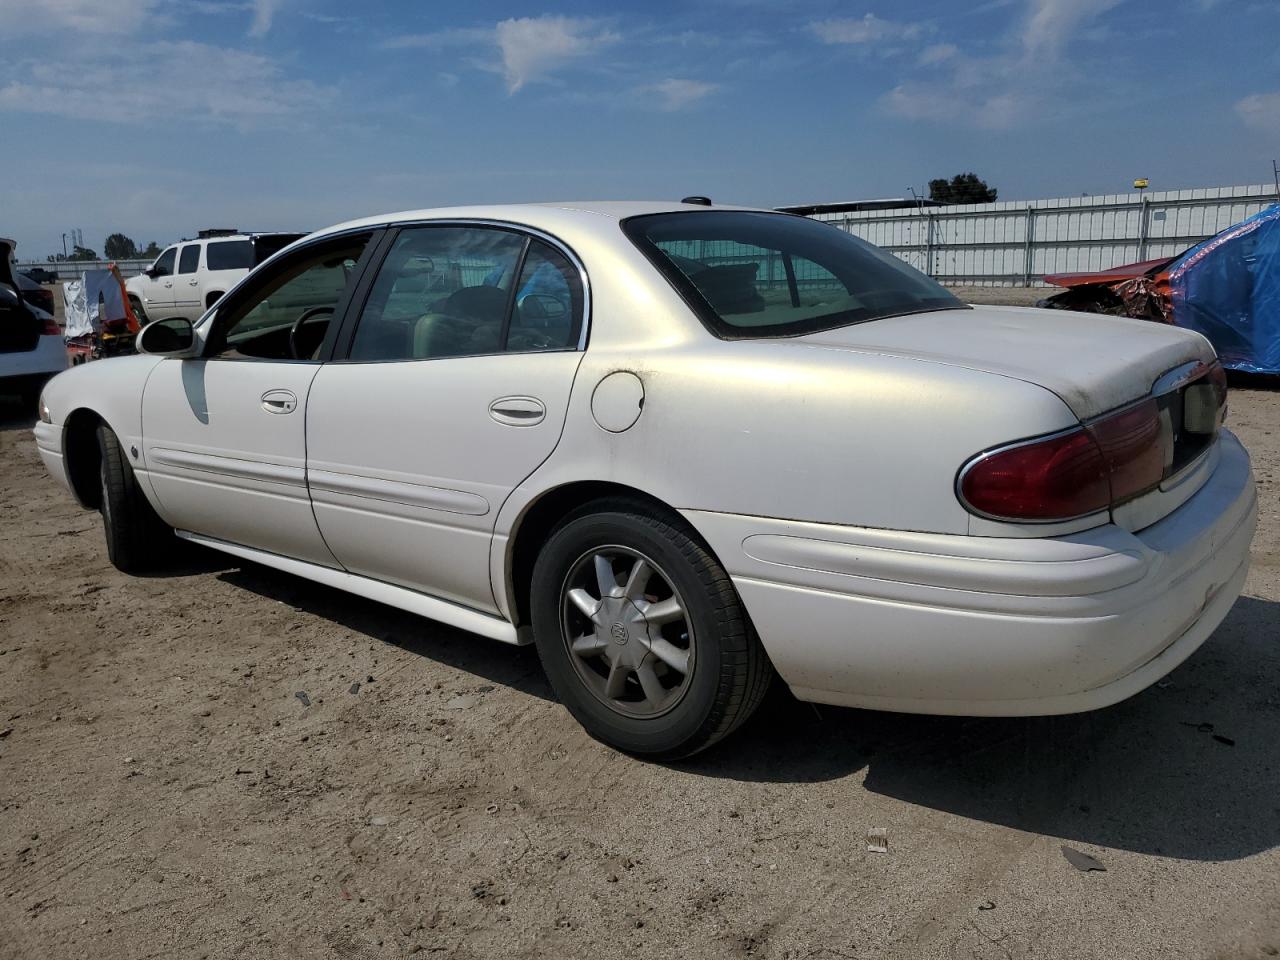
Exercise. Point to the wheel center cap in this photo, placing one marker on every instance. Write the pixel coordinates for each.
(619, 632)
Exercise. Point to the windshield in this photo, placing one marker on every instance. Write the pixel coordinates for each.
(749, 274)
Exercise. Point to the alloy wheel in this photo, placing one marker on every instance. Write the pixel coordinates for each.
(627, 631)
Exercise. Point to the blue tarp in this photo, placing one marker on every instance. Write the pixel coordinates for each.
(1228, 288)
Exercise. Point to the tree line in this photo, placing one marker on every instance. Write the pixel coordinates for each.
(115, 247)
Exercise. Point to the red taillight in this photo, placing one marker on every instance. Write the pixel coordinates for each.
(1099, 464)
(51, 328)
(1133, 445)
(1056, 478)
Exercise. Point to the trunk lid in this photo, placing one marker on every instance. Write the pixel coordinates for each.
(1095, 363)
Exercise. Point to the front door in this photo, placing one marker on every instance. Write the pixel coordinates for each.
(454, 390)
(157, 285)
(224, 435)
(186, 283)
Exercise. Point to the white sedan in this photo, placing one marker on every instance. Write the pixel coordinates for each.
(681, 448)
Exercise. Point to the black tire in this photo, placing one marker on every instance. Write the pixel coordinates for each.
(728, 671)
(137, 539)
(138, 311)
(29, 396)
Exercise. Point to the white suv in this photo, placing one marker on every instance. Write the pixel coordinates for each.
(190, 277)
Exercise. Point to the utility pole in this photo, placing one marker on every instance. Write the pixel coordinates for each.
(1275, 172)
(64, 246)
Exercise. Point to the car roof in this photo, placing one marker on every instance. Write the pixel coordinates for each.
(536, 215)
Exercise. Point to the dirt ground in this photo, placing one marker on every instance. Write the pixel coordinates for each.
(167, 791)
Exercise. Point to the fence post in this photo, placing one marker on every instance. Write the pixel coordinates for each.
(1029, 230)
(1144, 218)
(928, 244)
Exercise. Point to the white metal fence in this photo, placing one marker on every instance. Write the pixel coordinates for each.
(1017, 243)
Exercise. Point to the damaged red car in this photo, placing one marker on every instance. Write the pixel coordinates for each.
(1226, 288)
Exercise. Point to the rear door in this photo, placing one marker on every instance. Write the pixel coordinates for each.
(186, 283)
(453, 390)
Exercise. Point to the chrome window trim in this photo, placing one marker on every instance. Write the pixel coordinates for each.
(574, 260)
(296, 246)
(554, 241)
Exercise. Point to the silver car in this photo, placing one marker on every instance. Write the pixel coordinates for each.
(684, 449)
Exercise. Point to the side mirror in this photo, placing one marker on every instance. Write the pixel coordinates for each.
(167, 338)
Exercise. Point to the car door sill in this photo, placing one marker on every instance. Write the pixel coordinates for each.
(432, 608)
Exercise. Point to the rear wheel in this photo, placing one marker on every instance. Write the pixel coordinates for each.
(137, 539)
(642, 634)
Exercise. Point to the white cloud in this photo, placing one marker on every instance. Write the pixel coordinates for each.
(86, 16)
(1000, 89)
(937, 53)
(533, 47)
(676, 94)
(527, 48)
(264, 12)
(868, 29)
(1260, 111)
(211, 83)
(1051, 23)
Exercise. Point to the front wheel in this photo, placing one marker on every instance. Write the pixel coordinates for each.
(137, 539)
(642, 634)
(138, 311)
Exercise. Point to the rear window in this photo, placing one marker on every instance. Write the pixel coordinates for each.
(229, 255)
(749, 274)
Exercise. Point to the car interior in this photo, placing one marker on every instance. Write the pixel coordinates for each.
(427, 303)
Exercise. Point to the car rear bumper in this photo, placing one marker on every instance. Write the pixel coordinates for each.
(988, 626)
(49, 357)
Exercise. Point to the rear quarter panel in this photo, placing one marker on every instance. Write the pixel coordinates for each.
(775, 429)
(779, 430)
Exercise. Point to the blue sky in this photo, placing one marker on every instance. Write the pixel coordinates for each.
(158, 117)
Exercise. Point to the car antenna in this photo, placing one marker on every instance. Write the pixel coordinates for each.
(699, 201)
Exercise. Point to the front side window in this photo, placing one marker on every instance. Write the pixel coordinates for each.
(442, 292)
(163, 267)
(749, 274)
(229, 255)
(286, 314)
(189, 259)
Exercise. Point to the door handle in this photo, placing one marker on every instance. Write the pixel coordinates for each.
(192, 283)
(279, 401)
(517, 411)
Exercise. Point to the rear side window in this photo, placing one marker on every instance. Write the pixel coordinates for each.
(749, 274)
(190, 258)
(229, 255)
(448, 292)
(548, 306)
